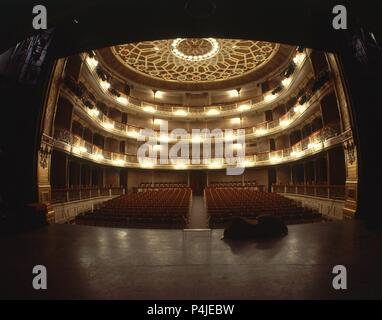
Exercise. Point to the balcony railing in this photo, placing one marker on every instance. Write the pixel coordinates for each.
(261, 129)
(310, 145)
(76, 194)
(336, 192)
(168, 110)
(265, 128)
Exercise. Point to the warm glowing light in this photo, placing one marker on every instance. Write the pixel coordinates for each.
(213, 112)
(180, 166)
(270, 97)
(275, 159)
(261, 131)
(296, 154)
(243, 107)
(93, 112)
(132, 134)
(180, 112)
(229, 136)
(237, 146)
(158, 122)
(157, 147)
(285, 122)
(79, 149)
(149, 109)
(215, 165)
(246, 163)
(286, 82)
(299, 108)
(98, 157)
(163, 138)
(108, 125)
(159, 94)
(105, 85)
(299, 58)
(92, 62)
(119, 162)
(122, 100)
(147, 163)
(235, 120)
(196, 139)
(233, 93)
(314, 145)
(215, 46)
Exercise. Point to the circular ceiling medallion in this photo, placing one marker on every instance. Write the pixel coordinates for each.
(195, 60)
(195, 49)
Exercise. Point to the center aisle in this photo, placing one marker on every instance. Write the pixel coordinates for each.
(198, 215)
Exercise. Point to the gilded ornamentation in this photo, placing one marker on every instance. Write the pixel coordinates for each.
(195, 60)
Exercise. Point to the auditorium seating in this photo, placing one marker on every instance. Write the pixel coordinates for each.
(148, 186)
(167, 208)
(236, 184)
(223, 203)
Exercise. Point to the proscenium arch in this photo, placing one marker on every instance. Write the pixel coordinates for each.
(86, 25)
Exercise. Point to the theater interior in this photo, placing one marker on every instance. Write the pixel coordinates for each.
(296, 106)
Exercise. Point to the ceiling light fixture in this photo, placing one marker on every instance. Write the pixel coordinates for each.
(214, 44)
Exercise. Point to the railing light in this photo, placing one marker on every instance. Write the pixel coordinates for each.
(299, 108)
(285, 122)
(163, 138)
(122, 100)
(261, 131)
(237, 146)
(105, 85)
(132, 134)
(149, 109)
(296, 154)
(92, 62)
(98, 157)
(286, 82)
(196, 139)
(108, 125)
(215, 165)
(243, 107)
(270, 97)
(235, 120)
(93, 112)
(119, 162)
(299, 58)
(213, 112)
(180, 112)
(180, 166)
(275, 159)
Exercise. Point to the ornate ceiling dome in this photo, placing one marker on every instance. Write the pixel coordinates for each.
(195, 63)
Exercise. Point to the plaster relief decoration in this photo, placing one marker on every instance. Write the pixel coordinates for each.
(195, 59)
(350, 150)
(45, 150)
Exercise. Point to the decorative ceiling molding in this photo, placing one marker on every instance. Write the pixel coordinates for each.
(196, 64)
